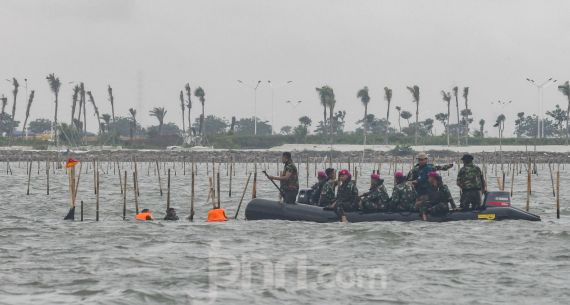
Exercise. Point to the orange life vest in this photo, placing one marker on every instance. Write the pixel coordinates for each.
(144, 216)
(217, 215)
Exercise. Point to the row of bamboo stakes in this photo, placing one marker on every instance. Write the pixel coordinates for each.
(500, 172)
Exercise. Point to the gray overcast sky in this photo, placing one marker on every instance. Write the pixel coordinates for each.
(150, 49)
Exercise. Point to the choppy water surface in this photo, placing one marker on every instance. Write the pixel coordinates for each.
(47, 260)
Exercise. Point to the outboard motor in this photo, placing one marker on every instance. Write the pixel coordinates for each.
(304, 196)
(498, 199)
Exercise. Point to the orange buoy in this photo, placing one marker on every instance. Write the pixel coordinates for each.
(217, 215)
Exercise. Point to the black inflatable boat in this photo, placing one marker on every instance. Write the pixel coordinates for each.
(497, 207)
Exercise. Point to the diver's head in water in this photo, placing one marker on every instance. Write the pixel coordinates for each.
(171, 214)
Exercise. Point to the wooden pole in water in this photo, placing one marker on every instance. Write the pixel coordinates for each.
(136, 177)
(29, 167)
(242, 195)
(120, 179)
(97, 198)
(135, 193)
(254, 189)
(81, 210)
(125, 197)
(47, 177)
(231, 174)
(528, 190)
(551, 179)
(168, 191)
(512, 181)
(218, 187)
(307, 170)
(558, 194)
(159, 182)
(191, 217)
(95, 167)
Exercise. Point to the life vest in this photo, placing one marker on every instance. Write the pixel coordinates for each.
(144, 216)
(215, 215)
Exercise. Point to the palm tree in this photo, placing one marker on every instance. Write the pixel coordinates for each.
(189, 105)
(406, 115)
(323, 99)
(30, 100)
(112, 101)
(482, 127)
(82, 101)
(4, 103)
(54, 85)
(500, 124)
(565, 89)
(159, 113)
(447, 98)
(199, 93)
(74, 101)
(92, 100)
(133, 114)
(399, 109)
(388, 98)
(183, 111)
(455, 93)
(415, 91)
(326, 95)
(15, 95)
(467, 113)
(362, 94)
(107, 119)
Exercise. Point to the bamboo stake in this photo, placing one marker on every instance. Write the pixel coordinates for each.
(47, 177)
(97, 199)
(254, 189)
(307, 170)
(95, 167)
(168, 191)
(551, 179)
(528, 189)
(191, 217)
(120, 179)
(558, 194)
(231, 174)
(512, 181)
(218, 187)
(242, 195)
(136, 178)
(81, 210)
(29, 167)
(159, 182)
(125, 197)
(135, 193)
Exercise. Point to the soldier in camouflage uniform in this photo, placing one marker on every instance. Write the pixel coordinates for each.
(471, 181)
(328, 193)
(377, 198)
(438, 199)
(289, 179)
(419, 173)
(317, 188)
(347, 195)
(403, 194)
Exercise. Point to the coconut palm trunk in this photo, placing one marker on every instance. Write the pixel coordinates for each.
(28, 107)
(455, 93)
(415, 91)
(399, 109)
(189, 105)
(74, 102)
(183, 108)
(565, 90)
(54, 85)
(465, 96)
(96, 110)
(133, 128)
(365, 99)
(388, 98)
(15, 96)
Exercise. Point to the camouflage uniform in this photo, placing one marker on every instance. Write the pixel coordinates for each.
(347, 196)
(376, 198)
(403, 197)
(470, 180)
(438, 199)
(420, 173)
(316, 190)
(290, 187)
(327, 193)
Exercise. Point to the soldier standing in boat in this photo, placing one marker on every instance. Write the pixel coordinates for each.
(419, 174)
(471, 181)
(289, 179)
